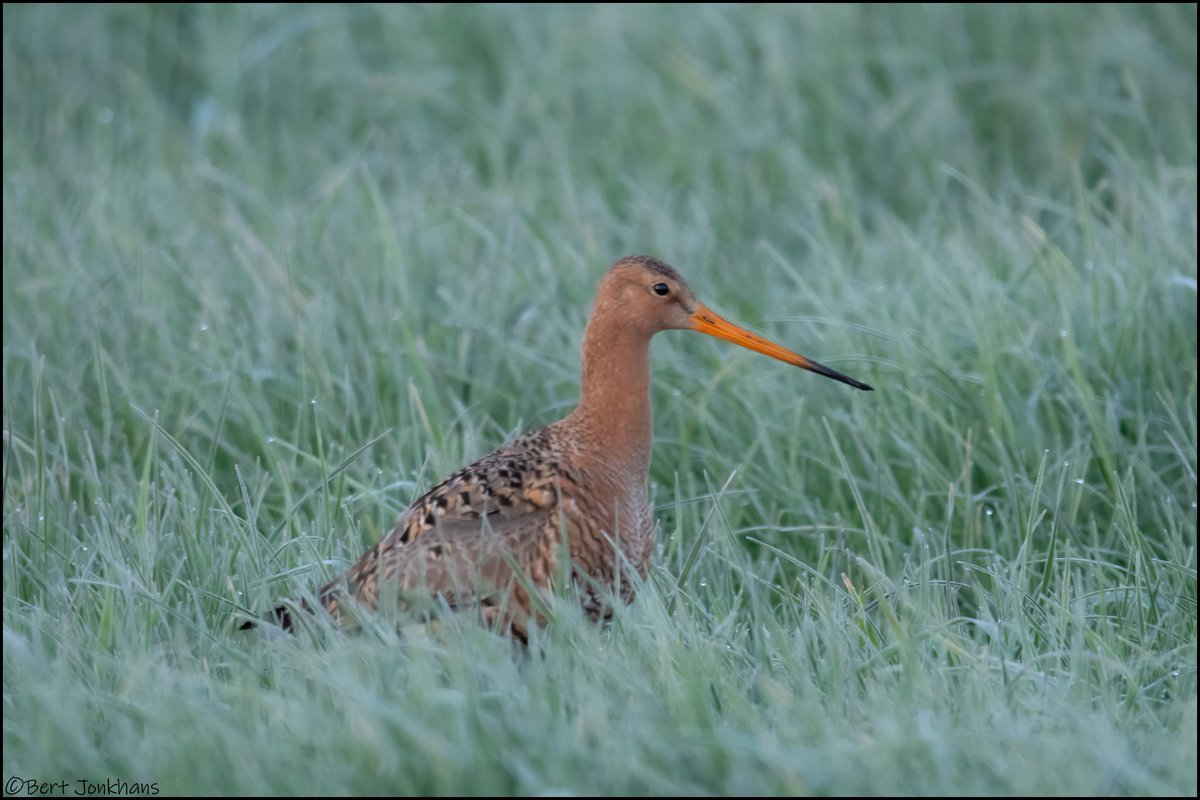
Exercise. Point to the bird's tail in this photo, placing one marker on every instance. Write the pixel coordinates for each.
(281, 616)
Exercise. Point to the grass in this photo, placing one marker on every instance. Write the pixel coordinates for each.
(268, 272)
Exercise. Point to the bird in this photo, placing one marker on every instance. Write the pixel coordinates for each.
(570, 498)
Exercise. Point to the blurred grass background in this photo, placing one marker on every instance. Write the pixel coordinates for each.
(269, 271)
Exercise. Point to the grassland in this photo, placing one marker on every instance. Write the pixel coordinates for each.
(270, 271)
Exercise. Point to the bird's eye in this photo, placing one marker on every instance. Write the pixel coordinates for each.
(661, 289)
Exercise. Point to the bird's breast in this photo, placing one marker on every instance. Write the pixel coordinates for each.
(610, 523)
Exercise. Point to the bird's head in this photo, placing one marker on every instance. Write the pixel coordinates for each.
(647, 295)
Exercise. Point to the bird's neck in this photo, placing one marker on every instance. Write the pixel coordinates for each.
(614, 406)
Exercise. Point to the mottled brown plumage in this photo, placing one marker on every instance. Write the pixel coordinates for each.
(577, 486)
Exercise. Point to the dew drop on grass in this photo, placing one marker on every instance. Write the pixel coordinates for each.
(1062, 332)
(104, 116)
(41, 517)
(203, 326)
(270, 440)
(314, 401)
(1079, 481)
(989, 511)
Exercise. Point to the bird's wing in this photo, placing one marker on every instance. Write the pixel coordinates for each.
(501, 504)
(462, 562)
(460, 538)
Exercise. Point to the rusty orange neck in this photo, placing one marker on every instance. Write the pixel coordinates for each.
(614, 407)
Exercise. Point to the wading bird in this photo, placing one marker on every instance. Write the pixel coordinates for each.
(500, 528)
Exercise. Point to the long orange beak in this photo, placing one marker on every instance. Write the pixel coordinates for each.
(706, 321)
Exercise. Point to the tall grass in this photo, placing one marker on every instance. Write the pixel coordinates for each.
(268, 272)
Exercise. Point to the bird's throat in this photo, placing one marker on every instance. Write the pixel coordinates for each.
(614, 406)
